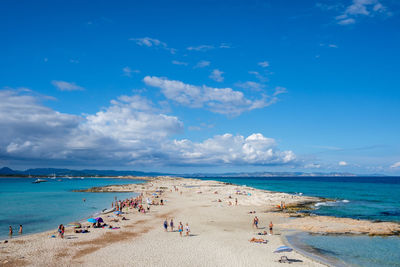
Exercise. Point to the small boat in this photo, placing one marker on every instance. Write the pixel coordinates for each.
(105, 211)
(37, 181)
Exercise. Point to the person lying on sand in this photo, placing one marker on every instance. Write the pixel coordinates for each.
(263, 233)
(258, 240)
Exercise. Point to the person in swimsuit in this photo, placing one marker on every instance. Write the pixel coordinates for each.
(171, 224)
(180, 228)
(270, 228)
(20, 229)
(166, 225)
(10, 230)
(187, 229)
(255, 222)
(61, 230)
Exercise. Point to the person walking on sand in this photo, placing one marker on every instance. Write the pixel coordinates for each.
(270, 228)
(187, 229)
(180, 228)
(166, 225)
(255, 222)
(171, 224)
(236, 201)
(20, 229)
(10, 230)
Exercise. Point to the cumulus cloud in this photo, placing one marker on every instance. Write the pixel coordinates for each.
(395, 165)
(360, 8)
(151, 42)
(250, 85)
(202, 64)
(216, 75)
(130, 131)
(342, 163)
(66, 86)
(219, 100)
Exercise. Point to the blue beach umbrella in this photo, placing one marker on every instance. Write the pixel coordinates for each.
(92, 220)
(118, 212)
(283, 249)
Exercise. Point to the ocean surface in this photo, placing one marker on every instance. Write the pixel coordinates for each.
(44, 206)
(372, 198)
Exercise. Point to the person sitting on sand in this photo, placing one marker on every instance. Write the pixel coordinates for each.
(255, 222)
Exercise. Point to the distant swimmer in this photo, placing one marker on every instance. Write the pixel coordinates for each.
(10, 230)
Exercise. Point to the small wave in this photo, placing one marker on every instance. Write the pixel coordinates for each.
(331, 203)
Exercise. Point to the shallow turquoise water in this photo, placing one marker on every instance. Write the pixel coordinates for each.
(43, 206)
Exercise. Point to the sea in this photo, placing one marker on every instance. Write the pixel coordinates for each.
(371, 198)
(44, 206)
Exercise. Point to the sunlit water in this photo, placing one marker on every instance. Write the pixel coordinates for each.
(43, 206)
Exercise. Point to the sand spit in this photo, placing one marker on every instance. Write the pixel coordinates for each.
(219, 236)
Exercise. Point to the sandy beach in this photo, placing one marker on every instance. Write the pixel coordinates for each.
(220, 230)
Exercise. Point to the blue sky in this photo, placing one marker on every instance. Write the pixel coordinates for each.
(201, 86)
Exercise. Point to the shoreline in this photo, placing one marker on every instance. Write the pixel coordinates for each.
(198, 198)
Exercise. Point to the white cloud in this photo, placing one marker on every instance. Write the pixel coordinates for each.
(176, 62)
(151, 42)
(66, 86)
(218, 100)
(259, 76)
(224, 45)
(201, 48)
(342, 163)
(202, 64)
(128, 71)
(279, 90)
(229, 149)
(312, 166)
(359, 8)
(130, 131)
(250, 85)
(216, 75)
(395, 165)
(263, 64)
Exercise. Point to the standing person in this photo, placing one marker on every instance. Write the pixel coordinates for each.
(236, 201)
(171, 224)
(187, 229)
(61, 230)
(20, 229)
(270, 228)
(180, 228)
(255, 222)
(10, 230)
(166, 225)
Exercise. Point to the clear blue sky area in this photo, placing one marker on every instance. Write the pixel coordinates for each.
(201, 86)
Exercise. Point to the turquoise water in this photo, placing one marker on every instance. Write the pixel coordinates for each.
(43, 206)
(373, 198)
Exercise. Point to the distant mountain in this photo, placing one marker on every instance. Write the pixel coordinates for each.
(74, 173)
(67, 172)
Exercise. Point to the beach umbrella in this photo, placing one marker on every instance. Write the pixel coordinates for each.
(154, 194)
(99, 219)
(118, 212)
(283, 249)
(92, 220)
